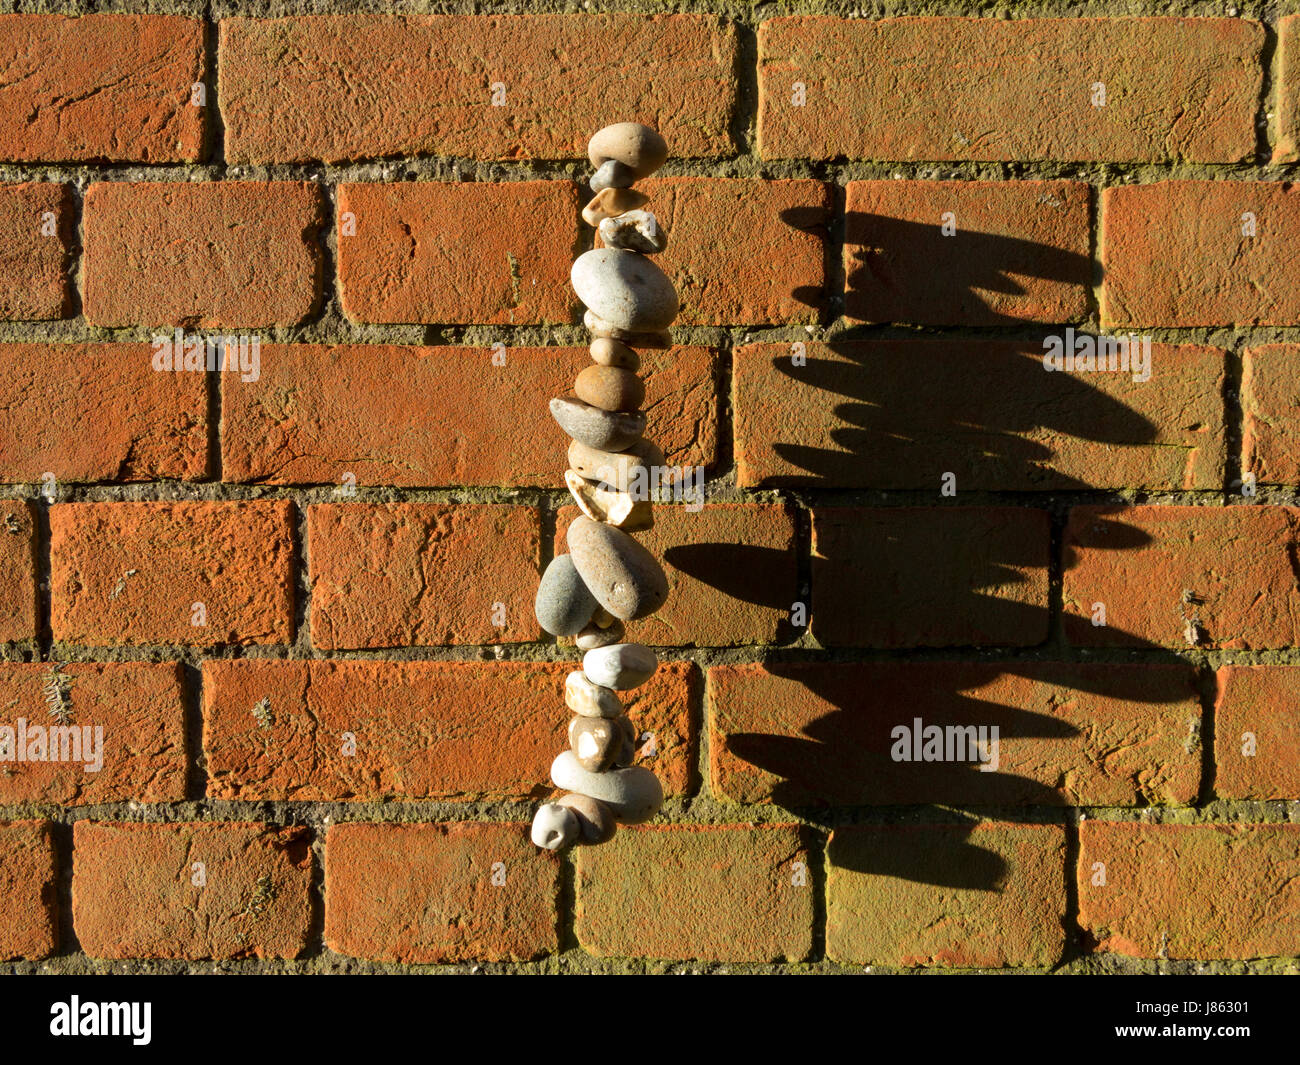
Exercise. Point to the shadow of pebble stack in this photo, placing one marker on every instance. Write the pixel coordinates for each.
(607, 577)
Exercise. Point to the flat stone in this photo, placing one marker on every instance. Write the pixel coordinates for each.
(598, 327)
(637, 230)
(633, 795)
(555, 826)
(596, 822)
(616, 469)
(611, 174)
(600, 503)
(595, 740)
(625, 289)
(606, 352)
(609, 203)
(609, 388)
(623, 576)
(636, 146)
(601, 429)
(589, 700)
(594, 636)
(563, 605)
(620, 666)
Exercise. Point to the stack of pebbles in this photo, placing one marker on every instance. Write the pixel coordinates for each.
(607, 577)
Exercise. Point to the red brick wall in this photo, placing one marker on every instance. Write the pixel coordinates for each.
(298, 603)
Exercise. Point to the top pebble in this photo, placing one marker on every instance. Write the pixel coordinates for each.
(637, 147)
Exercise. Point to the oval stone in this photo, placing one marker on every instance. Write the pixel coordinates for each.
(595, 740)
(594, 636)
(620, 666)
(636, 146)
(555, 826)
(606, 352)
(609, 388)
(633, 795)
(598, 327)
(619, 469)
(623, 576)
(603, 429)
(611, 174)
(615, 508)
(625, 289)
(596, 822)
(589, 700)
(564, 604)
(637, 230)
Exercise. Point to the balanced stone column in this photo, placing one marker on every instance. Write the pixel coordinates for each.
(607, 577)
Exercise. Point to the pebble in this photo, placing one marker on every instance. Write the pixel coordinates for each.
(563, 605)
(587, 699)
(555, 826)
(611, 174)
(633, 795)
(600, 328)
(595, 740)
(637, 147)
(620, 666)
(634, 231)
(604, 504)
(595, 636)
(595, 820)
(616, 469)
(606, 352)
(609, 203)
(602, 618)
(625, 289)
(609, 388)
(601, 429)
(625, 578)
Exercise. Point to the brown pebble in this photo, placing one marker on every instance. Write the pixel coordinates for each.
(596, 740)
(607, 352)
(610, 203)
(610, 388)
(594, 636)
(618, 469)
(596, 822)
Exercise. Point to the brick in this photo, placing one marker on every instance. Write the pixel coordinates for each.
(27, 891)
(422, 574)
(1286, 147)
(202, 254)
(732, 574)
(444, 252)
(131, 573)
(372, 411)
(929, 576)
(900, 414)
(1182, 577)
(128, 719)
(423, 85)
(483, 731)
(1270, 402)
(931, 89)
(806, 734)
(1173, 254)
(426, 893)
(100, 88)
(1207, 892)
(1257, 733)
(35, 227)
(98, 412)
(134, 893)
(728, 893)
(1019, 252)
(719, 280)
(984, 895)
(17, 571)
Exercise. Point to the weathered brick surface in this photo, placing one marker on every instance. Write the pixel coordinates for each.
(461, 731)
(1020, 89)
(1178, 253)
(732, 574)
(852, 416)
(719, 280)
(131, 573)
(27, 891)
(98, 412)
(422, 574)
(1018, 251)
(1270, 397)
(118, 735)
(102, 87)
(35, 225)
(439, 893)
(1257, 733)
(1190, 891)
(202, 254)
(1286, 148)
(455, 252)
(929, 576)
(1182, 577)
(728, 893)
(134, 890)
(17, 572)
(424, 85)
(803, 734)
(961, 896)
(414, 416)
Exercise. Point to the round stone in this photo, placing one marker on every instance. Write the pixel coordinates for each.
(598, 327)
(637, 230)
(606, 352)
(625, 289)
(624, 471)
(623, 576)
(600, 503)
(555, 826)
(620, 666)
(602, 429)
(609, 388)
(587, 699)
(563, 605)
(594, 636)
(596, 822)
(595, 740)
(609, 203)
(633, 795)
(611, 174)
(637, 147)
